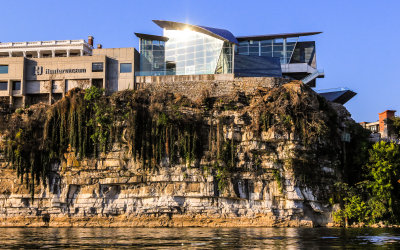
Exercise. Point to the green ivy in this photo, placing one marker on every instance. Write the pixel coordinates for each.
(279, 180)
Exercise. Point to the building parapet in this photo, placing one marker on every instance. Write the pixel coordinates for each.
(43, 43)
(180, 78)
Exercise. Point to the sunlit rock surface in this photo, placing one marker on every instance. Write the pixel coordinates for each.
(285, 159)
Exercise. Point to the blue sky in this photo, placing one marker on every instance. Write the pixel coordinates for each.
(358, 48)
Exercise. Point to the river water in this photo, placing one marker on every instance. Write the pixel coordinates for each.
(199, 238)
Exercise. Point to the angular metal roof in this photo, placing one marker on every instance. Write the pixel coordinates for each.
(221, 34)
(272, 36)
(152, 37)
(338, 95)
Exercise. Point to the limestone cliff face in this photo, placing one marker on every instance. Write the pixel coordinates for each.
(269, 158)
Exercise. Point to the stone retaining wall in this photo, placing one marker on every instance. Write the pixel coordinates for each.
(195, 87)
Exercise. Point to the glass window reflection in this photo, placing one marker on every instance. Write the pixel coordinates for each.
(280, 47)
(186, 52)
(201, 55)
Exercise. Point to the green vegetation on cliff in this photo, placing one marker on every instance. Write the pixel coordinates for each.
(376, 196)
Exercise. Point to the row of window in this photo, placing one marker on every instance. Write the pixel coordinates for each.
(282, 48)
(16, 85)
(96, 67)
(124, 67)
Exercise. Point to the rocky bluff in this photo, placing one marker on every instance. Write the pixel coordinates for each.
(261, 153)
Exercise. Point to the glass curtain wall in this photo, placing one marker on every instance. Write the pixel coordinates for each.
(304, 53)
(152, 57)
(280, 47)
(191, 53)
(290, 45)
(224, 65)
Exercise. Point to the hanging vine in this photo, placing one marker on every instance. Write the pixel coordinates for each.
(87, 123)
(161, 136)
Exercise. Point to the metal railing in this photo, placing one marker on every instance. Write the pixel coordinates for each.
(155, 73)
(332, 90)
(312, 76)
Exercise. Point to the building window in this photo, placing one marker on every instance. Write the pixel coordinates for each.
(16, 85)
(152, 57)
(54, 85)
(125, 68)
(3, 86)
(280, 47)
(97, 67)
(3, 69)
(66, 86)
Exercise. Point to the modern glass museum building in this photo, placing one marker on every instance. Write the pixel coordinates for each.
(186, 49)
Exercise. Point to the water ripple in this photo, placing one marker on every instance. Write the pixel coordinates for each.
(198, 238)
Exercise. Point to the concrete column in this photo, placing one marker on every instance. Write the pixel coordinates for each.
(23, 100)
(233, 59)
(51, 92)
(82, 52)
(38, 54)
(24, 53)
(53, 53)
(23, 84)
(284, 51)
(63, 87)
(10, 54)
(10, 87)
(68, 53)
(10, 92)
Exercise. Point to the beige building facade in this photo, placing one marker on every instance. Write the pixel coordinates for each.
(34, 72)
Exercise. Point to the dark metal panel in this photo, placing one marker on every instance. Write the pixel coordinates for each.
(222, 33)
(339, 96)
(152, 37)
(257, 66)
(272, 36)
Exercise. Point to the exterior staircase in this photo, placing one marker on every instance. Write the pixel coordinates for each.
(312, 76)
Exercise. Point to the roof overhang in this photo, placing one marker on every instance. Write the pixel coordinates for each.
(341, 95)
(152, 37)
(221, 34)
(272, 36)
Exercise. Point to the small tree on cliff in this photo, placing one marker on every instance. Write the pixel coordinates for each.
(383, 171)
(395, 122)
(377, 197)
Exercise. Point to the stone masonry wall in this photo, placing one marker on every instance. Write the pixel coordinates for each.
(195, 87)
